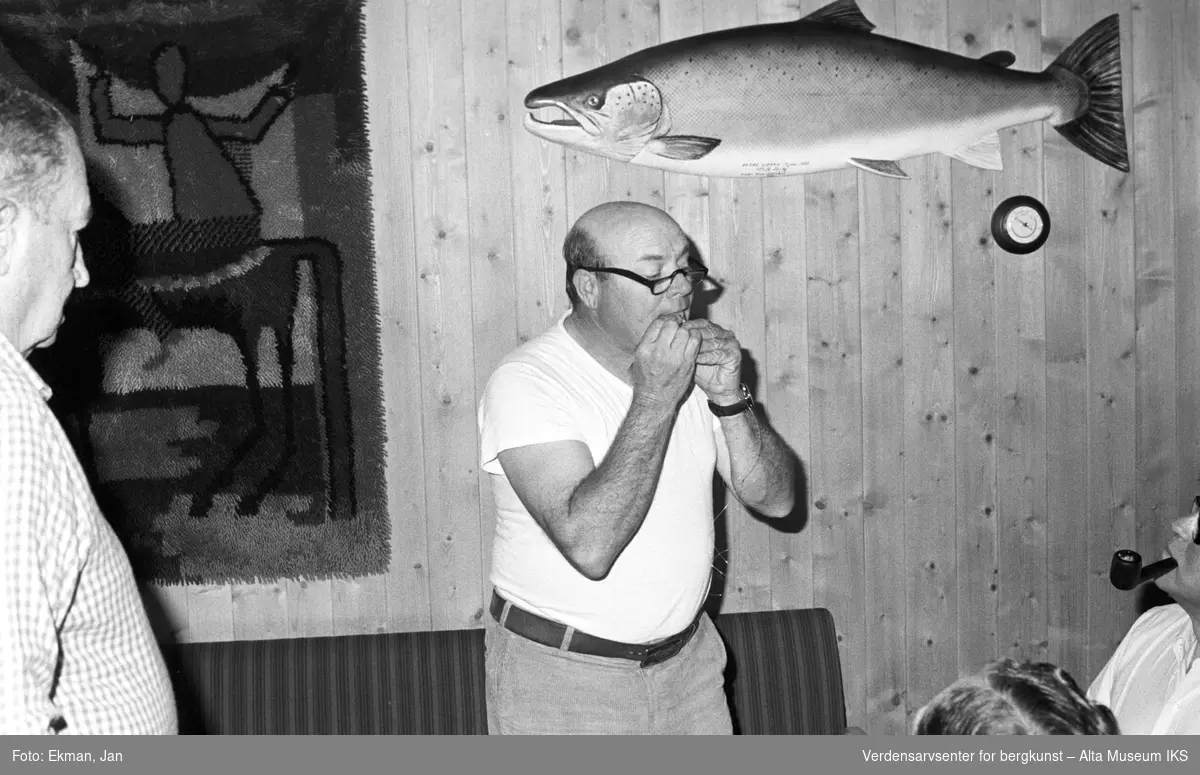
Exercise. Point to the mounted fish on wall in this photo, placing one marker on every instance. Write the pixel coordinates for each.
(824, 93)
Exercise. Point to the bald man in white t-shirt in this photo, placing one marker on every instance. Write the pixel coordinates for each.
(601, 437)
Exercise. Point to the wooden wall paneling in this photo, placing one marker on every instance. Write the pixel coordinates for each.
(785, 393)
(1186, 161)
(1068, 514)
(210, 612)
(632, 25)
(1112, 438)
(538, 186)
(785, 381)
(584, 46)
(393, 147)
(835, 400)
(1151, 144)
(736, 261)
(310, 607)
(1020, 319)
(930, 518)
(975, 376)
(882, 329)
(361, 604)
(489, 121)
(445, 311)
(260, 610)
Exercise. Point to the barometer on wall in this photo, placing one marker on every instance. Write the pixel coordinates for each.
(1020, 224)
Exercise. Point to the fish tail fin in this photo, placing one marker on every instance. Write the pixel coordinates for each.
(1095, 56)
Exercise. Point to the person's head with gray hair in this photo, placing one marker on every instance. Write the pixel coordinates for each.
(35, 138)
(1014, 698)
(44, 204)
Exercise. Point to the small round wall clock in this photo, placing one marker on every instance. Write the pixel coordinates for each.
(1020, 224)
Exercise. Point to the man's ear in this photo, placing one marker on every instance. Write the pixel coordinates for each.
(586, 286)
(8, 232)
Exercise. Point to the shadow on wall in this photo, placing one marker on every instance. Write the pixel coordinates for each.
(187, 703)
(793, 523)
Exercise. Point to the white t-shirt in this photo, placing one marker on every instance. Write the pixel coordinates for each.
(551, 389)
(1152, 681)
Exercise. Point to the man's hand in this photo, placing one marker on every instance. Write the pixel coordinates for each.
(664, 363)
(718, 362)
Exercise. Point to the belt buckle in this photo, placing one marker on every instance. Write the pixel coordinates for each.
(661, 652)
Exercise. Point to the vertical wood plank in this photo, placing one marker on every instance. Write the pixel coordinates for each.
(393, 147)
(538, 186)
(975, 377)
(882, 311)
(260, 611)
(490, 254)
(930, 520)
(1021, 372)
(786, 372)
(584, 46)
(835, 398)
(1186, 57)
(1112, 436)
(310, 607)
(445, 318)
(736, 261)
(1068, 513)
(1151, 140)
(210, 612)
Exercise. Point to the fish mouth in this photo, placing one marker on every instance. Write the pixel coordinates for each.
(573, 123)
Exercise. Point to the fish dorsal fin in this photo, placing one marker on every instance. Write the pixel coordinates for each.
(843, 12)
(999, 58)
(983, 153)
(889, 169)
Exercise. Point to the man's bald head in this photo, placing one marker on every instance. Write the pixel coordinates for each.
(589, 243)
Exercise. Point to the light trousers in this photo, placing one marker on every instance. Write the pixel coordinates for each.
(540, 690)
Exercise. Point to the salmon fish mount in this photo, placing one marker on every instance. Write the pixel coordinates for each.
(824, 93)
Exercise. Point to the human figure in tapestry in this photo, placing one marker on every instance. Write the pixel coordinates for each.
(211, 403)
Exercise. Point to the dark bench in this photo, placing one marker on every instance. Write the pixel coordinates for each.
(784, 678)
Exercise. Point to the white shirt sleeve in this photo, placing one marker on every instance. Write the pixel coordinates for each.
(522, 406)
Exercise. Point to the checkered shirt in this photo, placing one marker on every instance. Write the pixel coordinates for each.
(77, 655)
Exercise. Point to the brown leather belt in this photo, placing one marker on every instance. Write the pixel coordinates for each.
(551, 633)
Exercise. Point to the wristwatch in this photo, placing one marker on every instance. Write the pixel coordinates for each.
(741, 406)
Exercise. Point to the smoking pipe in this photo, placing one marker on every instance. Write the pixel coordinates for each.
(1126, 571)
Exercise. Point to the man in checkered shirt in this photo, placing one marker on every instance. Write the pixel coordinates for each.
(77, 655)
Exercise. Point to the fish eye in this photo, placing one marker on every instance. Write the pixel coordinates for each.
(594, 101)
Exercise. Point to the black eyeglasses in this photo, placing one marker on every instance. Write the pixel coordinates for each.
(694, 274)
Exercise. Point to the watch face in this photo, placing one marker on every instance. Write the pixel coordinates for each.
(1023, 224)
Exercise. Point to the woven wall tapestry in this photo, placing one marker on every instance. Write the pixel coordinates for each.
(219, 377)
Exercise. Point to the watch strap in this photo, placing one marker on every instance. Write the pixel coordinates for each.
(729, 411)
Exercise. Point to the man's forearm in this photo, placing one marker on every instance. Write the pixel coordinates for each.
(610, 504)
(760, 465)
